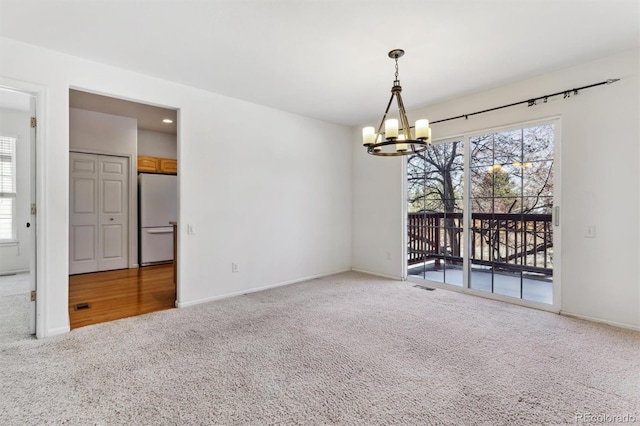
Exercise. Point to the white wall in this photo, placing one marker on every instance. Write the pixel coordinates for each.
(157, 144)
(600, 183)
(279, 205)
(99, 133)
(102, 133)
(17, 257)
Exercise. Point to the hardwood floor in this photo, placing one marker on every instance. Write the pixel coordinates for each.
(120, 294)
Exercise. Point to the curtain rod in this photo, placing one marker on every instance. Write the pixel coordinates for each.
(532, 101)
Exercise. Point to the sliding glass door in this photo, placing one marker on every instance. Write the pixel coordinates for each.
(496, 237)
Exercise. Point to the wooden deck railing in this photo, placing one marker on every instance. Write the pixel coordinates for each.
(505, 241)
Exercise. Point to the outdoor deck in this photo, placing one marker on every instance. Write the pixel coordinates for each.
(533, 289)
(511, 254)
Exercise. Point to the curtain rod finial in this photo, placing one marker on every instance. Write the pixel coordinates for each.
(612, 80)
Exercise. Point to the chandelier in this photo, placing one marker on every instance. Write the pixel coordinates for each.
(397, 138)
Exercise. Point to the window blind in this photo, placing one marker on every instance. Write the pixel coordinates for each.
(7, 188)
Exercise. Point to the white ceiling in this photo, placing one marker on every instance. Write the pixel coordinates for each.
(327, 58)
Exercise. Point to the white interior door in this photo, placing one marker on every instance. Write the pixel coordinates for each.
(83, 213)
(113, 213)
(99, 213)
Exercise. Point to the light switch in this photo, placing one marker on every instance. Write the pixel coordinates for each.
(590, 231)
(191, 228)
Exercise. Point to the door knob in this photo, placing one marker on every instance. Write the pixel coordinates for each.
(28, 225)
(111, 218)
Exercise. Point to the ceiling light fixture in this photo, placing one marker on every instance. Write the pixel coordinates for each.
(167, 120)
(396, 140)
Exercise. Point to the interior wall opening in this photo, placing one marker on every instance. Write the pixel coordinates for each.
(123, 207)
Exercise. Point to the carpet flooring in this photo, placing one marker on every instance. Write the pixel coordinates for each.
(346, 349)
(15, 301)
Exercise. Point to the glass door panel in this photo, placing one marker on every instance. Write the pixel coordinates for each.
(511, 198)
(435, 212)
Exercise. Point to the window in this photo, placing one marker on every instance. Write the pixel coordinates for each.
(7, 189)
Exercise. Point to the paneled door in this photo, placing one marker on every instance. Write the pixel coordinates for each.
(99, 213)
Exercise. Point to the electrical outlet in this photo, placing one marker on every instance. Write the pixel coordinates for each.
(590, 231)
(234, 267)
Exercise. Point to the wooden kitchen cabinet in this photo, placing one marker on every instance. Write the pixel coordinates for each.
(148, 164)
(167, 166)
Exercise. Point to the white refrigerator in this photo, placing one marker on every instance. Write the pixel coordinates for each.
(158, 205)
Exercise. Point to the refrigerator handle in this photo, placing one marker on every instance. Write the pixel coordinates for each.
(159, 231)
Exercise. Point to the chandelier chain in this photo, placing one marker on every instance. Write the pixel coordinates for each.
(396, 58)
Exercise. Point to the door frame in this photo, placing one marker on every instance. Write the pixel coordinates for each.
(556, 305)
(133, 261)
(33, 104)
(38, 253)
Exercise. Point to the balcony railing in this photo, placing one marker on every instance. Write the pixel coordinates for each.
(516, 242)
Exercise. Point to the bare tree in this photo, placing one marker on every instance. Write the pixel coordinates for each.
(435, 185)
(512, 173)
(435, 178)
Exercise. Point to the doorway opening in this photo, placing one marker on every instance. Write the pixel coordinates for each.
(116, 146)
(17, 214)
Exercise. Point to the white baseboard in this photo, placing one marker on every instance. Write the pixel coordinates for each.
(55, 331)
(255, 290)
(600, 321)
(362, 271)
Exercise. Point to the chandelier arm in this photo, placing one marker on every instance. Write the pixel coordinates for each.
(406, 129)
(384, 116)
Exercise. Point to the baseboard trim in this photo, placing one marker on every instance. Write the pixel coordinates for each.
(600, 321)
(55, 331)
(256, 289)
(362, 271)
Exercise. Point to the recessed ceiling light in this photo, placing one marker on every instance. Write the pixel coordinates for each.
(167, 120)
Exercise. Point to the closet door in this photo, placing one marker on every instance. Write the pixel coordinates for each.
(99, 213)
(113, 214)
(83, 213)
